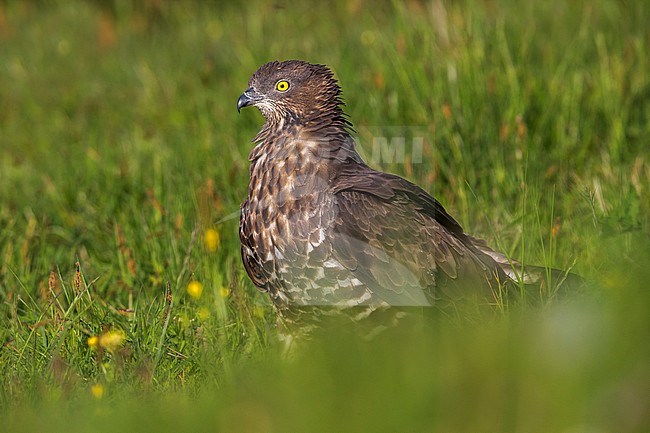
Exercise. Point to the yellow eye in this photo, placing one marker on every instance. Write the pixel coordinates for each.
(282, 86)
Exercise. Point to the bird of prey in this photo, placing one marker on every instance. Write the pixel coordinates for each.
(321, 228)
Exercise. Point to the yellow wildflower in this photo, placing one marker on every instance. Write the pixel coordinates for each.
(97, 390)
(93, 342)
(111, 340)
(203, 313)
(195, 289)
(211, 239)
(224, 292)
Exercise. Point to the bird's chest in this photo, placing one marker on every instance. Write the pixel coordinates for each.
(283, 223)
(284, 226)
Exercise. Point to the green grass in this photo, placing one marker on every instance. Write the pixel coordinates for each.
(121, 147)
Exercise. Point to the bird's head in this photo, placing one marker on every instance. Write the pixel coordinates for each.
(292, 89)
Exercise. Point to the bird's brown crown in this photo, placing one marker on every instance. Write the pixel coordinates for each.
(295, 90)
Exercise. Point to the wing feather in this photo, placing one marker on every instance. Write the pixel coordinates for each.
(401, 242)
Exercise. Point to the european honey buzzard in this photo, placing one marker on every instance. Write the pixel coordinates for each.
(321, 228)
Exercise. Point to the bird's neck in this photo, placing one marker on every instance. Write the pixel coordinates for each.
(323, 138)
(300, 158)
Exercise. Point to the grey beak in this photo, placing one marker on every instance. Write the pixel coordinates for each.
(247, 98)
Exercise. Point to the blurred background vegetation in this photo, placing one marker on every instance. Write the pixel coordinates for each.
(123, 162)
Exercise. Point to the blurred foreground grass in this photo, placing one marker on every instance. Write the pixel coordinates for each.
(121, 149)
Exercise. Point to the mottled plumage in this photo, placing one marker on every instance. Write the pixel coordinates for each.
(320, 227)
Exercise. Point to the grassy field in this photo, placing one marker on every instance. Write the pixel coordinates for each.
(123, 161)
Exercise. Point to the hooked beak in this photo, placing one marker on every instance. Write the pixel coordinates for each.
(249, 97)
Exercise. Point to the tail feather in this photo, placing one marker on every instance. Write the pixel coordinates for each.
(530, 274)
